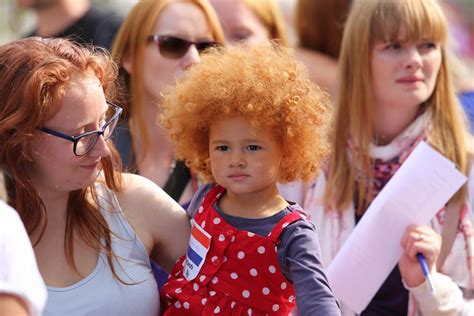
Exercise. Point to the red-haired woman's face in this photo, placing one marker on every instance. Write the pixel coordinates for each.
(55, 166)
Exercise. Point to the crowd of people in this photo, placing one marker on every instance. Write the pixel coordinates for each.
(190, 160)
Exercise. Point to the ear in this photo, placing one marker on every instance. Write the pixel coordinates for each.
(127, 65)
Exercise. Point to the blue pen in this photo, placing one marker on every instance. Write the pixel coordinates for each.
(426, 272)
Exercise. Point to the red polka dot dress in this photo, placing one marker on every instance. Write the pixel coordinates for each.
(239, 274)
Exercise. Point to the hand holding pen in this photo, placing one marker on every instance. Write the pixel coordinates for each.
(421, 246)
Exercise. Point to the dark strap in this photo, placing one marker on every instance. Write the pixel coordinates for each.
(177, 180)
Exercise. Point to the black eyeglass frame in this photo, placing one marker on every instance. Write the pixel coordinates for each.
(200, 46)
(77, 138)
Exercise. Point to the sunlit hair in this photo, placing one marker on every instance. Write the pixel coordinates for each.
(270, 15)
(375, 21)
(35, 75)
(263, 84)
(319, 24)
(130, 43)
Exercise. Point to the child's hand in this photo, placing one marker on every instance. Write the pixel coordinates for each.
(418, 239)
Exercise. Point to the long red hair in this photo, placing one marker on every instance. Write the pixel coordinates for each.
(34, 73)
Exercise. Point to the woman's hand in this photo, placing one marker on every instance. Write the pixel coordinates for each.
(418, 239)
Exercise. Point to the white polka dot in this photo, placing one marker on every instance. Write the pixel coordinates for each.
(283, 285)
(275, 307)
(261, 250)
(234, 275)
(179, 290)
(271, 269)
(186, 305)
(266, 291)
(232, 305)
(216, 220)
(225, 259)
(195, 287)
(291, 298)
(217, 310)
(253, 272)
(203, 224)
(212, 293)
(182, 263)
(250, 234)
(215, 280)
(276, 249)
(249, 311)
(201, 209)
(203, 301)
(232, 239)
(202, 278)
(284, 225)
(214, 258)
(246, 293)
(177, 304)
(180, 279)
(240, 255)
(168, 296)
(221, 237)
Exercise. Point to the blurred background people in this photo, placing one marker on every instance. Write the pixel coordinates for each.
(251, 21)
(78, 19)
(319, 26)
(156, 44)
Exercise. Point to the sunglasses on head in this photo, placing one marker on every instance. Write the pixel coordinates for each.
(175, 47)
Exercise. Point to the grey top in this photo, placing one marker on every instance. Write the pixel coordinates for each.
(100, 293)
(298, 255)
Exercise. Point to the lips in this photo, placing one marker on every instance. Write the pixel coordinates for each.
(238, 176)
(409, 79)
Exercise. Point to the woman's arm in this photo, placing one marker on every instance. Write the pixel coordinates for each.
(159, 221)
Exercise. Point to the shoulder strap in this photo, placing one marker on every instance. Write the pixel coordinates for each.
(451, 224)
(450, 228)
(177, 180)
(289, 218)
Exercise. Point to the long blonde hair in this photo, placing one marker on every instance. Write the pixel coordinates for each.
(368, 23)
(130, 43)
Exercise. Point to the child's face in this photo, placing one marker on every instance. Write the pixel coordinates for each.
(244, 159)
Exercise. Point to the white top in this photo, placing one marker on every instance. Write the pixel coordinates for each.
(19, 273)
(100, 293)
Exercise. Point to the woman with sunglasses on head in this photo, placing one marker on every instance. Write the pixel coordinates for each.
(158, 41)
(395, 91)
(93, 229)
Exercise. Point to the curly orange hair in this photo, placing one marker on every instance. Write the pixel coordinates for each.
(264, 84)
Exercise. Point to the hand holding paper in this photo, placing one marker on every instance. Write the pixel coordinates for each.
(420, 188)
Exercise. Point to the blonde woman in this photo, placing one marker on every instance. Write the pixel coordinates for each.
(156, 44)
(395, 91)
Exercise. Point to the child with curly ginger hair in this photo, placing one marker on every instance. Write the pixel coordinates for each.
(245, 119)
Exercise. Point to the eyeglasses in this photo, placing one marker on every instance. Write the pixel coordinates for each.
(83, 143)
(175, 47)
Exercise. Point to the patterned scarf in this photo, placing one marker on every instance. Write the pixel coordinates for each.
(387, 159)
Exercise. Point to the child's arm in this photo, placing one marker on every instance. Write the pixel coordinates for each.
(300, 261)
